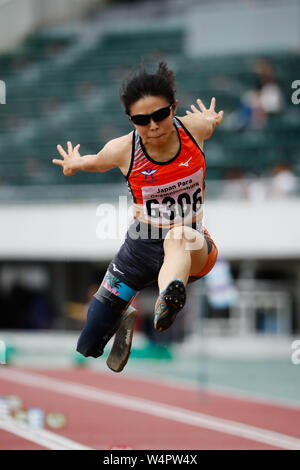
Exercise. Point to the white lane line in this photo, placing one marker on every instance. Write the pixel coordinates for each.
(42, 437)
(152, 408)
(211, 388)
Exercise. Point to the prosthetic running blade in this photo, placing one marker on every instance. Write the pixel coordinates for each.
(121, 347)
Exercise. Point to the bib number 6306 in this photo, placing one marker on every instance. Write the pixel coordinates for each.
(172, 207)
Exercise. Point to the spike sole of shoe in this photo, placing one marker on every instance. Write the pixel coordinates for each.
(175, 297)
(121, 348)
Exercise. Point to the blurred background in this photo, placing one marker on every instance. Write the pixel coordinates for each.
(61, 66)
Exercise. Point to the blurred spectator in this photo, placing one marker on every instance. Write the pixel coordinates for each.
(234, 185)
(258, 103)
(284, 182)
(221, 290)
(250, 113)
(257, 189)
(270, 98)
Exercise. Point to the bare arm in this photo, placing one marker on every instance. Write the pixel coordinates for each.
(111, 156)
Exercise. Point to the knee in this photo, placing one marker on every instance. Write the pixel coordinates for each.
(175, 236)
(180, 236)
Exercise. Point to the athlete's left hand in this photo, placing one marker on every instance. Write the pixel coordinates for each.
(210, 114)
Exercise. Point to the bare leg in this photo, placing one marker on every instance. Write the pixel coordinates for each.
(185, 254)
(185, 251)
(176, 265)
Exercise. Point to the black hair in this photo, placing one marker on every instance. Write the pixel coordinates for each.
(142, 83)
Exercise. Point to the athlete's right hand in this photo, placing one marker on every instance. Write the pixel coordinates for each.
(71, 159)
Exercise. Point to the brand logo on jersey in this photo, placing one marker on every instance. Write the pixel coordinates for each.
(185, 163)
(149, 172)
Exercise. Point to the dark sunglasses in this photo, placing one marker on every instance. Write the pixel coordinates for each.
(157, 116)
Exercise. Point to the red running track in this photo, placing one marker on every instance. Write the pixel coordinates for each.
(100, 425)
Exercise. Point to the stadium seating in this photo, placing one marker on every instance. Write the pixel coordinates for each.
(55, 95)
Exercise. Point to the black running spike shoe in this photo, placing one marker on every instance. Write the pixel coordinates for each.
(170, 301)
(121, 348)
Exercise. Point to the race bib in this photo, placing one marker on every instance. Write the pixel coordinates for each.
(176, 202)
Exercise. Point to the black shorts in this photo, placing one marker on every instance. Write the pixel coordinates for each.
(138, 261)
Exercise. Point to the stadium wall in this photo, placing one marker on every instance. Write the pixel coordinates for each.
(241, 229)
(235, 26)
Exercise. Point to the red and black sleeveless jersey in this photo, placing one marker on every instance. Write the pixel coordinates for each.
(171, 191)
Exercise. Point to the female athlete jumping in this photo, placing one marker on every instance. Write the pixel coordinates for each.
(163, 162)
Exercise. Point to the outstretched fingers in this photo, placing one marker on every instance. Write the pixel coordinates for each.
(61, 151)
(212, 104)
(201, 105)
(210, 112)
(70, 147)
(58, 162)
(220, 117)
(194, 109)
